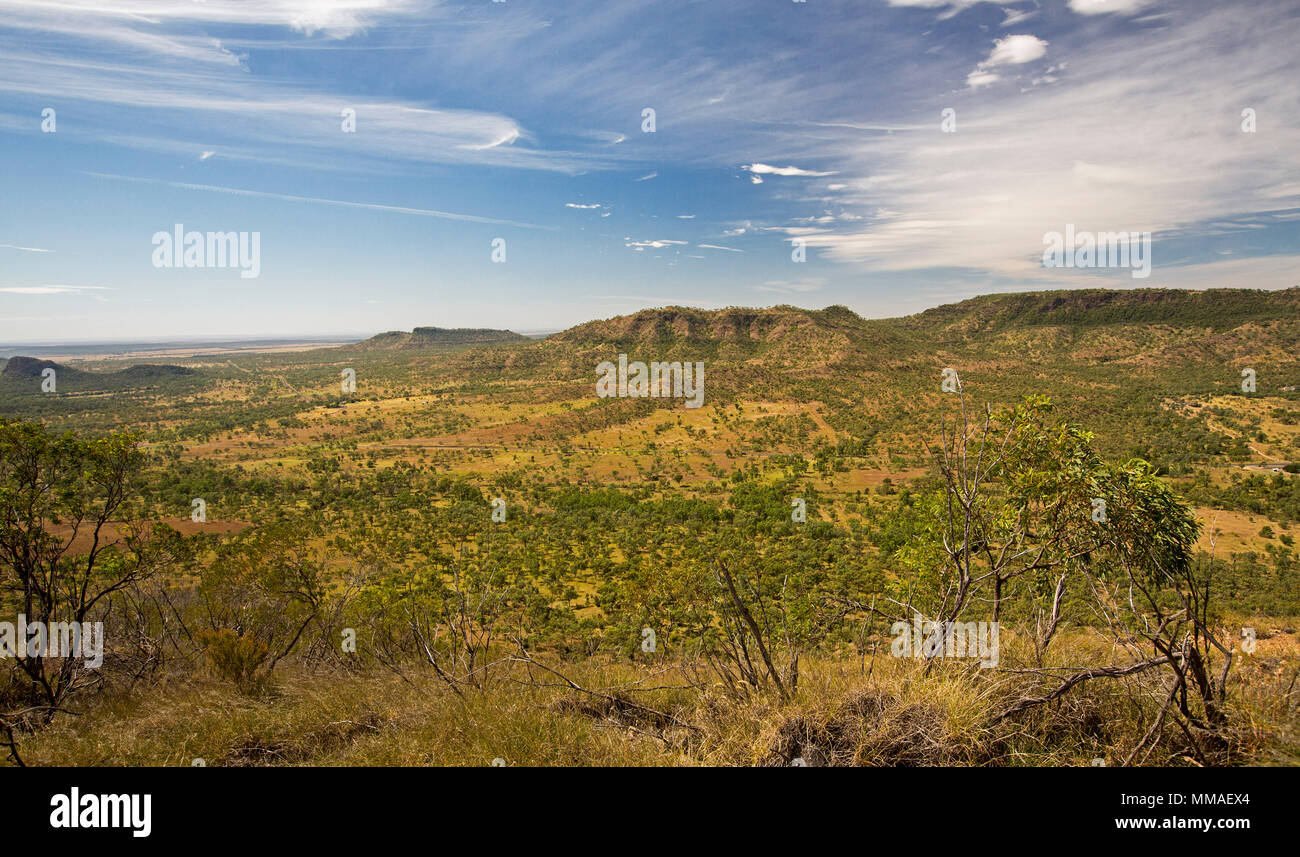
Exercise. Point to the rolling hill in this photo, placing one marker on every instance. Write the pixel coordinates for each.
(23, 375)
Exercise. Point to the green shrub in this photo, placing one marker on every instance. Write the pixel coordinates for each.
(235, 658)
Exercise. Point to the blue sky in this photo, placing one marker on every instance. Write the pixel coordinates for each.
(523, 120)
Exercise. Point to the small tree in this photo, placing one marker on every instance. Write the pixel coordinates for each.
(64, 546)
(266, 589)
(1015, 510)
(1027, 501)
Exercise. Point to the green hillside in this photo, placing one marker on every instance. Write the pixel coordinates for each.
(499, 540)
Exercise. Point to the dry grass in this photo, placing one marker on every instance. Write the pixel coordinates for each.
(875, 711)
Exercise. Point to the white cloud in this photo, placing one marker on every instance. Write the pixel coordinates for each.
(24, 249)
(582, 205)
(657, 244)
(1012, 50)
(1110, 147)
(1108, 7)
(1015, 50)
(767, 170)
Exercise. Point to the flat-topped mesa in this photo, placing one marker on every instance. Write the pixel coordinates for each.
(1214, 308)
(732, 324)
(423, 337)
(1211, 308)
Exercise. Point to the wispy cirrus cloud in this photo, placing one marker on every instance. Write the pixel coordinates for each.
(160, 59)
(792, 287)
(1111, 146)
(369, 206)
(949, 7)
(52, 290)
(1081, 7)
(330, 18)
(1109, 7)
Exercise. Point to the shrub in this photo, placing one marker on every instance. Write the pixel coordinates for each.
(235, 657)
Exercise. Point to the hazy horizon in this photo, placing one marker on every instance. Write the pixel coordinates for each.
(6, 347)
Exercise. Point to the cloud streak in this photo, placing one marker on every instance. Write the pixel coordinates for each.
(369, 206)
(51, 290)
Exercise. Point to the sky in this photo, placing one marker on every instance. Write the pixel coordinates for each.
(502, 169)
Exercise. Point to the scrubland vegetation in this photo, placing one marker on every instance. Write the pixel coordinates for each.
(474, 558)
